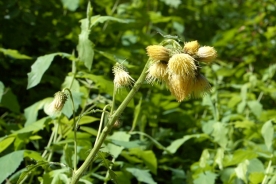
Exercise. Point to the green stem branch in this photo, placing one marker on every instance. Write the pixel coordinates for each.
(77, 174)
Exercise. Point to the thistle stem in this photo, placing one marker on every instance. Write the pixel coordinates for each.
(89, 159)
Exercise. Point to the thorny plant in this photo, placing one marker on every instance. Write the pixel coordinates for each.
(178, 67)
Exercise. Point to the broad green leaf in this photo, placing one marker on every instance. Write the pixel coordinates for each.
(127, 144)
(9, 163)
(9, 100)
(208, 101)
(4, 143)
(203, 161)
(241, 106)
(85, 46)
(31, 112)
(39, 68)
(206, 178)
(255, 165)
(71, 83)
(120, 136)
(68, 155)
(256, 177)
(256, 107)
(239, 156)
(150, 160)
(14, 54)
(141, 175)
(35, 126)
(113, 149)
(173, 147)
(220, 134)
(241, 170)
(268, 134)
(2, 87)
(68, 106)
(71, 5)
(33, 155)
(174, 3)
(123, 177)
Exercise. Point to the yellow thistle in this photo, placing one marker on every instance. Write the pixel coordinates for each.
(191, 47)
(158, 53)
(182, 64)
(206, 54)
(201, 86)
(180, 87)
(157, 72)
(57, 104)
(122, 78)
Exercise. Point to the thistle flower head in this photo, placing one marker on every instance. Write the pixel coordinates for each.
(180, 87)
(57, 104)
(157, 72)
(206, 54)
(191, 47)
(121, 76)
(201, 86)
(183, 65)
(158, 53)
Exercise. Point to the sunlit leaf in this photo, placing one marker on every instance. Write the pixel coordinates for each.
(4, 143)
(14, 54)
(256, 107)
(150, 160)
(72, 5)
(268, 134)
(206, 178)
(141, 175)
(241, 170)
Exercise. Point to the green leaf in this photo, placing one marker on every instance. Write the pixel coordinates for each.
(71, 5)
(87, 119)
(67, 109)
(101, 19)
(268, 134)
(85, 46)
(89, 130)
(14, 54)
(35, 126)
(33, 155)
(219, 158)
(256, 107)
(206, 178)
(220, 134)
(203, 161)
(39, 68)
(239, 156)
(2, 87)
(9, 163)
(9, 100)
(208, 101)
(150, 160)
(174, 3)
(172, 148)
(71, 83)
(241, 170)
(5, 143)
(141, 175)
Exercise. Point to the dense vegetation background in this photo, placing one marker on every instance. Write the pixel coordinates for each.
(225, 137)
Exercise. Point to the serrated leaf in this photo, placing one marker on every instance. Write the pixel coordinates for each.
(268, 134)
(14, 54)
(256, 107)
(9, 163)
(206, 178)
(5, 143)
(141, 175)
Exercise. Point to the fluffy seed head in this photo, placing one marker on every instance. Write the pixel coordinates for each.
(201, 86)
(191, 47)
(122, 78)
(57, 104)
(182, 64)
(158, 53)
(157, 72)
(206, 54)
(180, 87)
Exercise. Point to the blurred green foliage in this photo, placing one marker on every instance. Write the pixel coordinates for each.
(225, 137)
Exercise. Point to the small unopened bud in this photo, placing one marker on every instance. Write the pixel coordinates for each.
(191, 47)
(118, 124)
(183, 65)
(206, 54)
(122, 78)
(57, 104)
(158, 53)
(157, 72)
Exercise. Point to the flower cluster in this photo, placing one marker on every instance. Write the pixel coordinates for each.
(179, 67)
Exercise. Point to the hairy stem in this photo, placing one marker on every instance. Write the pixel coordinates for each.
(77, 174)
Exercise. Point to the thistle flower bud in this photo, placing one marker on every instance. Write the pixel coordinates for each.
(158, 53)
(157, 72)
(182, 64)
(206, 54)
(201, 86)
(180, 87)
(118, 124)
(122, 78)
(191, 47)
(57, 104)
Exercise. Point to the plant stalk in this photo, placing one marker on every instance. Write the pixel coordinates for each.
(77, 174)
